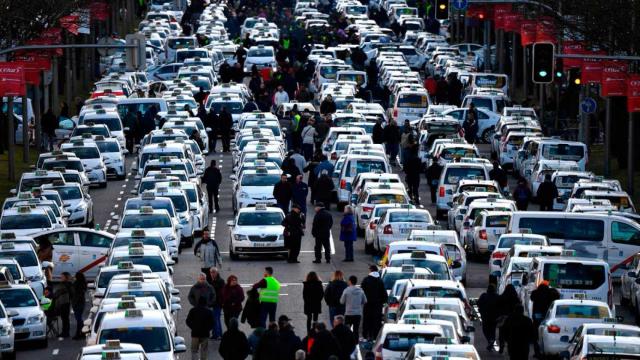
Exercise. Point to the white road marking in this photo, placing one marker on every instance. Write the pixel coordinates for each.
(119, 199)
(126, 180)
(121, 192)
(116, 206)
(124, 185)
(250, 285)
(114, 227)
(112, 213)
(55, 352)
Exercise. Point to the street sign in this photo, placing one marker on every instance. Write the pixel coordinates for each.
(460, 4)
(588, 105)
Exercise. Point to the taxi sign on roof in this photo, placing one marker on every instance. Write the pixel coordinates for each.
(128, 298)
(138, 233)
(8, 236)
(58, 182)
(579, 296)
(408, 268)
(24, 209)
(41, 172)
(567, 252)
(148, 195)
(122, 305)
(110, 355)
(146, 210)
(136, 244)
(134, 285)
(174, 183)
(442, 341)
(125, 265)
(139, 279)
(133, 313)
(24, 195)
(261, 206)
(8, 246)
(526, 231)
(162, 189)
(111, 344)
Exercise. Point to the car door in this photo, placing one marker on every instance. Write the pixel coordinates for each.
(625, 237)
(92, 252)
(64, 250)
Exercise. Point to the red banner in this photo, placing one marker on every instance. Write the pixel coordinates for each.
(476, 11)
(512, 21)
(12, 80)
(99, 11)
(499, 13)
(633, 93)
(591, 70)
(572, 48)
(546, 32)
(31, 72)
(54, 35)
(527, 32)
(37, 61)
(614, 78)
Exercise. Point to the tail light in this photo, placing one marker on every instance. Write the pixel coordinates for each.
(378, 352)
(483, 234)
(372, 225)
(387, 230)
(394, 306)
(498, 255)
(441, 191)
(553, 329)
(334, 156)
(367, 209)
(395, 112)
(343, 184)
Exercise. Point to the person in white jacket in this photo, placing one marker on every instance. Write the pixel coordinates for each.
(308, 139)
(280, 97)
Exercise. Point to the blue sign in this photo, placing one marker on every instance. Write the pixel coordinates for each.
(588, 105)
(460, 4)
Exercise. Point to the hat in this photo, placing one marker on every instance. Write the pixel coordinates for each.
(320, 204)
(283, 318)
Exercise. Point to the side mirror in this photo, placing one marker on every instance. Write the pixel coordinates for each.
(12, 313)
(133, 192)
(175, 292)
(45, 301)
(175, 300)
(180, 348)
(91, 286)
(233, 177)
(208, 129)
(176, 307)
(170, 268)
(205, 152)
(231, 223)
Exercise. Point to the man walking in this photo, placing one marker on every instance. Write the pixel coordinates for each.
(212, 178)
(376, 295)
(294, 224)
(200, 321)
(269, 291)
(321, 231)
(226, 123)
(433, 178)
(547, 192)
(353, 299)
(207, 249)
(215, 280)
(300, 193)
(520, 334)
(283, 192)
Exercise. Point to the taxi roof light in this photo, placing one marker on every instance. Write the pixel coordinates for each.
(124, 305)
(125, 265)
(418, 254)
(8, 236)
(133, 313)
(138, 233)
(408, 268)
(112, 344)
(146, 210)
(8, 246)
(135, 285)
(40, 173)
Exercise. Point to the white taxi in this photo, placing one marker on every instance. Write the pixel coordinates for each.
(605, 347)
(23, 220)
(140, 254)
(372, 224)
(89, 153)
(123, 351)
(77, 202)
(506, 242)
(255, 186)
(25, 254)
(395, 340)
(7, 332)
(151, 219)
(30, 323)
(182, 207)
(112, 155)
(256, 231)
(99, 286)
(455, 252)
(396, 224)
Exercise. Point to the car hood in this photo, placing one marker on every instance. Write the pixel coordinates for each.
(260, 230)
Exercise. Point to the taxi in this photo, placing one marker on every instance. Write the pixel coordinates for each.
(506, 242)
(609, 328)
(93, 322)
(93, 129)
(67, 162)
(112, 155)
(149, 328)
(77, 202)
(605, 347)
(451, 174)
(139, 286)
(257, 231)
(24, 220)
(456, 255)
(563, 319)
(56, 213)
(173, 163)
(395, 340)
(149, 255)
(372, 224)
(7, 332)
(436, 303)
(151, 219)
(74, 176)
(444, 349)
(174, 192)
(24, 253)
(396, 224)
(99, 286)
(437, 264)
(436, 289)
(378, 193)
(153, 177)
(155, 238)
(89, 153)
(462, 331)
(391, 275)
(113, 349)
(29, 322)
(254, 186)
(161, 149)
(486, 229)
(198, 204)
(35, 179)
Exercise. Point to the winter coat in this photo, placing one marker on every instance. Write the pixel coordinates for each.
(378, 134)
(209, 253)
(268, 347)
(226, 122)
(346, 340)
(433, 173)
(232, 298)
(289, 343)
(212, 177)
(293, 225)
(392, 134)
(217, 284)
(309, 135)
(333, 292)
(251, 311)
(547, 191)
(348, 228)
(200, 321)
(353, 299)
(327, 107)
(488, 306)
(300, 193)
(323, 188)
(374, 291)
(542, 298)
(324, 165)
(282, 192)
(322, 223)
(312, 294)
(199, 290)
(324, 345)
(519, 333)
(234, 345)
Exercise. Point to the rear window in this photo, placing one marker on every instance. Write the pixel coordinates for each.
(413, 101)
(574, 275)
(490, 81)
(387, 199)
(402, 216)
(451, 153)
(498, 220)
(508, 242)
(478, 188)
(582, 312)
(569, 229)
(405, 341)
(563, 151)
(436, 292)
(454, 175)
(363, 166)
(481, 103)
(567, 181)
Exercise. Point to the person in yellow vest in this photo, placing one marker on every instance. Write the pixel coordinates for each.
(269, 291)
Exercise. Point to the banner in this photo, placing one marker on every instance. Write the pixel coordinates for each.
(591, 70)
(570, 47)
(31, 72)
(546, 32)
(99, 11)
(499, 13)
(12, 80)
(614, 78)
(633, 93)
(54, 35)
(512, 21)
(527, 32)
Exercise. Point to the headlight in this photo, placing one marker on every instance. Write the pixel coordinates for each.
(6, 330)
(35, 319)
(244, 194)
(38, 277)
(98, 167)
(81, 207)
(240, 237)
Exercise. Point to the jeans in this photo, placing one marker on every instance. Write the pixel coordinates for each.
(392, 151)
(348, 250)
(199, 346)
(333, 312)
(212, 195)
(77, 314)
(269, 309)
(354, 321)
(217, 326)
(311, 318)
(64, 312)
(307, 151)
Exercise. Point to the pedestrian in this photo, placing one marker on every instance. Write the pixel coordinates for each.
(324, 345)
(442, 90)
(488, 306)
(62, 295)
(232, 298)
(148, 123)
(207, 249)
(312, 177)
(234, 344)
(280, 97)
(345, 338)
(254, 339)
(407, 141)
(215, 280)
(202, 289)
(200, 321)
(324, 164)
(283, 192)
(269, 291)
(547, 192)
(294, 225)
(312, 294)
(78, 300)
(269, 345)
(353, 299)
(542, 297)
(298, 160)
(321, 231)
(290, 168)
(377, 134)
(332, 294)
(307, 341)
(308, 139)
(521, 332)
(431, 85)
(195, 136)
(323, 189)
(522, 195)
(251, 310)
(213, 122)
(507, 302)
(130, 127)
(412, 166)
(470, 125)
(433, 177)
(300, 355)
(498, 175)
(212, 178)
(49, 126)
(300, 192)
(290, 343)
(392, 141)
(226, 125)
(348, 233)
(328, 106)
(376, 296)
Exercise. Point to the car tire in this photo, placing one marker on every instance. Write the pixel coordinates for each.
(486, 135)
(233, 255)
(9, 355)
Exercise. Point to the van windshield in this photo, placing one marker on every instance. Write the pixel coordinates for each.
(574, 275)
(112, 123)
(405, 341)
(490, 81)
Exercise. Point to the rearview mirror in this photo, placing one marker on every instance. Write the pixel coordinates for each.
(231, 223)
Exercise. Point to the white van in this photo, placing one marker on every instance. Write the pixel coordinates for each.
(555, 149)
(409, 105)
(17, 112)
(354, 165)
(451, 175)
(600, 236)
(333, 134)
(488, 80)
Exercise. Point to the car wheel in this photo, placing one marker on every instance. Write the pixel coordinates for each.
(486, 135)
(233, 255)
(9, 355)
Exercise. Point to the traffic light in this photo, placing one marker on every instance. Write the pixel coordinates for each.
(543, 69)
(442, 9)
(574, 77)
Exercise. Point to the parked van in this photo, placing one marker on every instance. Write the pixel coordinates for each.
(451, 175)
(600, 236)
(354, 165)
(140, 104)
(409, 105)
(556, 149)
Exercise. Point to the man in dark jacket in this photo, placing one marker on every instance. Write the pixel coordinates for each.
(149, 120)
(217, 283)
(520, 333)
(392, 141)
(213, 122)
(300, 193)
(499, 175)
(376, 294)
(332, 294)
(234, 344)
(226, 123)
(442, 91)
(212, 178)
(378, 133)
(321, 231)
(328, 106)
(488, 306)
(412, 167)
(547, 191)
(294, 224)
(283, 192)
(323, 188)
(269, 345)
(542, 298)
(130, 122)
(225, 72)
(344, 336)
(289, 341)
(324, 344)
(433, 178)
(200, 321)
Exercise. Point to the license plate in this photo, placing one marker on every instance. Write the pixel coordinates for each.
(259, 244)
(21, 330)
(404, 231)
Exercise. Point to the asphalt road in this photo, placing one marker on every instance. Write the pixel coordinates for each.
(107, 208)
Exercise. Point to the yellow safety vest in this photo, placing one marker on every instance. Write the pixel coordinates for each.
(271, 292)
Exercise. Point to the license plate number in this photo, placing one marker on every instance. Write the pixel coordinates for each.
(259, 244)
(21, 330)
(405, 231)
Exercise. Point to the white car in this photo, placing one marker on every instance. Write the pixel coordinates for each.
(23, 220)
(99, 286)
(397, 224)
(140, 254)
(30, 323)
(563, 319)
(182, 207)
(77, 202)
(609, 329)
(372, 224)
(112, 155)
(151, 219)
(263, 57)
(395, 340)
(605, 347)
(255, 186)
(89, 153)
(124, 351)
(7, 332)
(506, 242)
(456, 255)
(256, 231)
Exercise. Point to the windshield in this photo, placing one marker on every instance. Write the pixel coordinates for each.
(155, 263)
(436, 267)
(389, 279)
(112, 123)
(67, 164)
(575, 275)
(91, 130)
(507, 242)
(260, 218)
(24, 258)
(358, 78)
(108, 146)
(105, 277)
(330, 72)
(181, 43)
(14, 298)
(153, 156)
(454, 175)
(413, 100)
(363, 166)
(569, 229)
(264, 52)
(152, 339)
(234, 107)
(179, 202)
(409, 216)
(85, 152)
(69, 192)
(146, 221)
(25, 221)
(404, 341)
(28, 184)
(387, 199)
(147, 240)
(260, 180)
(191, 54)
(563, 152)
(582, 311)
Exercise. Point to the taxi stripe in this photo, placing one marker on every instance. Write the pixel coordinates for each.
(624, 262)
(93, 264)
